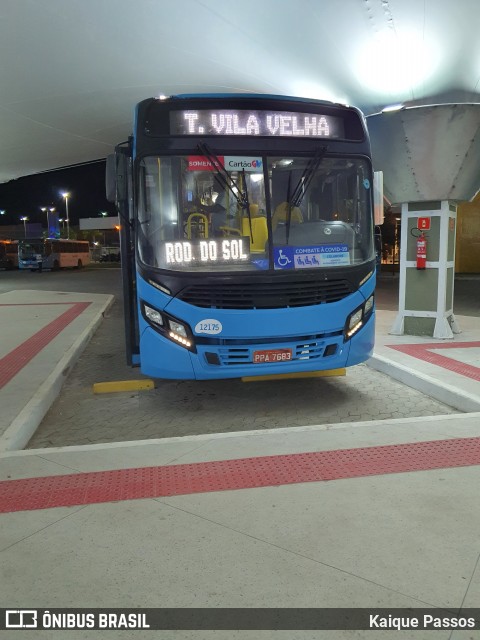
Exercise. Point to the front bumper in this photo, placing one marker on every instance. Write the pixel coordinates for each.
(234, 359)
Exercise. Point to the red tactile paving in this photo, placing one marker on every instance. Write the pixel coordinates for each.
(14, 361)
(424, 352)
(228, 475)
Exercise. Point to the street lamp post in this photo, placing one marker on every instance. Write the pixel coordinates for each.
(46, 210)
(24, 220)
(66, 196)
(103, 214)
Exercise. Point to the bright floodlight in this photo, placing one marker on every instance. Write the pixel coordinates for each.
(67, 218)
(397, 62)
(393, 107)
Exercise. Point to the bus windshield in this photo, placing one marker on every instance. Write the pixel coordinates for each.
(254, 213)
(30, 248)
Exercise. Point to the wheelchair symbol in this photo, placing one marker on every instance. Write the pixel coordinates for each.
(282, 260)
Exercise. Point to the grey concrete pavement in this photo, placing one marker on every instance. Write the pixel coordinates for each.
(447, 370)
(43, 334)
(179, 408)
(390, 538)
(400, 540)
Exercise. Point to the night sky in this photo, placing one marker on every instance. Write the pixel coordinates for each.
(85, 184)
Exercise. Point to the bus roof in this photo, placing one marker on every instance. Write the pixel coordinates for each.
(266, 96)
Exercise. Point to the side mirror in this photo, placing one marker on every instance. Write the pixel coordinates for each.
(111, 179)
(116, 177)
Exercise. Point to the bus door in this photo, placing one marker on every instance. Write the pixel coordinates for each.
(119, 191)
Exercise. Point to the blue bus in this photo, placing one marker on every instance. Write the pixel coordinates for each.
(247, 236)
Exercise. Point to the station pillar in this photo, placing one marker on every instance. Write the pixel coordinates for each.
(425, 306)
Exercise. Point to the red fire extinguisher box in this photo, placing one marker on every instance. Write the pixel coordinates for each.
(424, 223)
(421, 251)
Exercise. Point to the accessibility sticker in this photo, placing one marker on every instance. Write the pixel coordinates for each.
(327, 255)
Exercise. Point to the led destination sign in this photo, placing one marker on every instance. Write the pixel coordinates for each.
(205, 251)
(242, 122)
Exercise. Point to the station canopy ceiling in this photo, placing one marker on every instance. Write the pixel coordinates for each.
(72, 71)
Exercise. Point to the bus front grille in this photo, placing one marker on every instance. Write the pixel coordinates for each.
(270, 295)
(311, 350)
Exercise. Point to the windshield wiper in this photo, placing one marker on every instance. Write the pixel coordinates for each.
(221, 174)
(295, 199)
(226, 181)
(289, 207)
(307, 177)
(247, 203)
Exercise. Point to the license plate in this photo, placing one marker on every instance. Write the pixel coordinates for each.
(272, 355)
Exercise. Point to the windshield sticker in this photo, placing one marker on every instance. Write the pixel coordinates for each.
(209, 326)
(201, 163)
(328, 255)
(366, 183)
(260, 263)
(238, 163)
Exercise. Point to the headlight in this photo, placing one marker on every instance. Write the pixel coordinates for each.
(357, 318)
(179, 333)
(169, 327)
(178, 328)
(368, 305)
(353, 324)
(153, 316)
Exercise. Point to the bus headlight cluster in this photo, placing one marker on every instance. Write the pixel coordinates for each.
(357, 318)
(368, 306)
(169, 327)
(153, 316)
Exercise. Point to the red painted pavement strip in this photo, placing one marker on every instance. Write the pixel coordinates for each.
(14, 361)
(423, 352)
(228, 475)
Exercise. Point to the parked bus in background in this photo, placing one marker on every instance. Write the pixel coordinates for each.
(38, 253)
(247, 236)
(8, 254)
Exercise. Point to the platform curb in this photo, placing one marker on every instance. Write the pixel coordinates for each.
(446, 394)
(22, 428)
